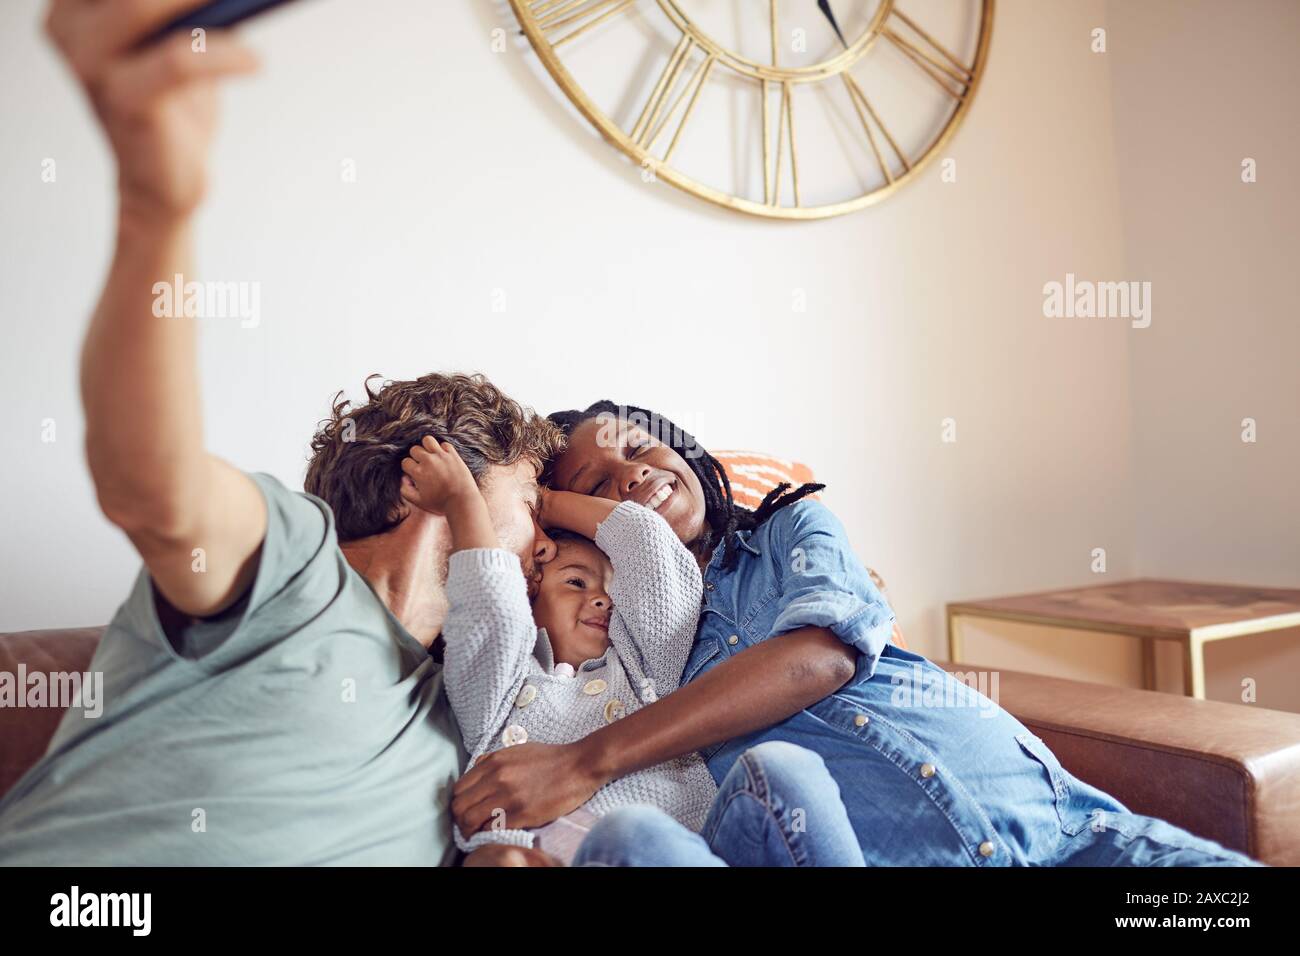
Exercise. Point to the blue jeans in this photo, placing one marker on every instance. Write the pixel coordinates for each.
(778, 806)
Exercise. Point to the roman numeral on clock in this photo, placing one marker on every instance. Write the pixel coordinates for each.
(932, 57)
(771, 157)
(864, 109)
(654, 120)
(562, 20)
(785, 125)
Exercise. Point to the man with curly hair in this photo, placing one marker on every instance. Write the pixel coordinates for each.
(270, 692)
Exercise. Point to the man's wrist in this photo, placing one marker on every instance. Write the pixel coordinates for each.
(142, 220)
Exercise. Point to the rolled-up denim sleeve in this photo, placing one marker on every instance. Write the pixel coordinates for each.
(824, 584)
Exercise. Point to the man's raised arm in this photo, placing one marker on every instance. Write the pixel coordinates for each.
(144, 444)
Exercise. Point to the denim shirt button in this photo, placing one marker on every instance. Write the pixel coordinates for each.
(986, 848)
(708, 585)
(861, 720)
(733, 639)
(927, 770)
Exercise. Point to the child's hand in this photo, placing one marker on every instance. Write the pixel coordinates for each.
(574, 512)
(437, 480)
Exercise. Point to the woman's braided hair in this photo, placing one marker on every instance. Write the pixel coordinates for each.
(722, 515)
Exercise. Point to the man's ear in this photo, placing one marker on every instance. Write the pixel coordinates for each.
(403, 508)
(400, 511)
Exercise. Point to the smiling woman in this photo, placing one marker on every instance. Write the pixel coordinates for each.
(625, 463)
(623, 452)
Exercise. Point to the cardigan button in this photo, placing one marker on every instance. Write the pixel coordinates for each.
(594, 687)
(527, 695)
(514, 734)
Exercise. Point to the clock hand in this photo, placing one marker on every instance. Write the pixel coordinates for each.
(825, 7)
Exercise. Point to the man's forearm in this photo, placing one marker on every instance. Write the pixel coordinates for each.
(139, 386)
(760, 686)
(197, 522)
(144, 438)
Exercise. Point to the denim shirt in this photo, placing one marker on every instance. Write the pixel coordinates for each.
(931, 771)
(795, 570)
(914, 778)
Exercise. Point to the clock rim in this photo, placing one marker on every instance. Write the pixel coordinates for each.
(616, 137)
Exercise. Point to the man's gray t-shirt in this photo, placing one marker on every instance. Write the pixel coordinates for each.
(303, 726)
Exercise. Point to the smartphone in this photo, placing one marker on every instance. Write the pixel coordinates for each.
(220, 13)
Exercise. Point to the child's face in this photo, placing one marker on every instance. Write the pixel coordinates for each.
(573, 601)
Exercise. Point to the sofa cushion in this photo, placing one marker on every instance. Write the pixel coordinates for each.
(753, 474)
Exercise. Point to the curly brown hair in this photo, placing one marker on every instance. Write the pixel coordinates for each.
(357, 453)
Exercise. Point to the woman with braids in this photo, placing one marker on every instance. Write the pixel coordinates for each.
(793, 645)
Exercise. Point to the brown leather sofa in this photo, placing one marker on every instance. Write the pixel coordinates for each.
(1229, 772)
(1225, 771)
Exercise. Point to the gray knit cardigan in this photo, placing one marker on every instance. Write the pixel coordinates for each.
(499, 669)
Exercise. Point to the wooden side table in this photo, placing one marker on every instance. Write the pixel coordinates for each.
(1150, 610)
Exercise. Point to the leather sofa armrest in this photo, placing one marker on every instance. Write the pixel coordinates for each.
(25, 732)
(1229, 772)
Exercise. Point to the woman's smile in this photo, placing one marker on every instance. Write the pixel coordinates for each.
(655, 493)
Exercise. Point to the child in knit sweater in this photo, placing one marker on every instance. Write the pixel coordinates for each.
(610, 629)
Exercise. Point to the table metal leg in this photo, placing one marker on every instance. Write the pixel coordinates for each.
(955, 648)
(1194, 667)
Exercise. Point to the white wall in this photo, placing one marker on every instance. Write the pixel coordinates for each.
(1203, 91)
(474, 175)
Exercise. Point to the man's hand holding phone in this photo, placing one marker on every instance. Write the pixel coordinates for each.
(156, 101)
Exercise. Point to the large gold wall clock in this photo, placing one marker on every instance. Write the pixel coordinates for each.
(791, 109)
